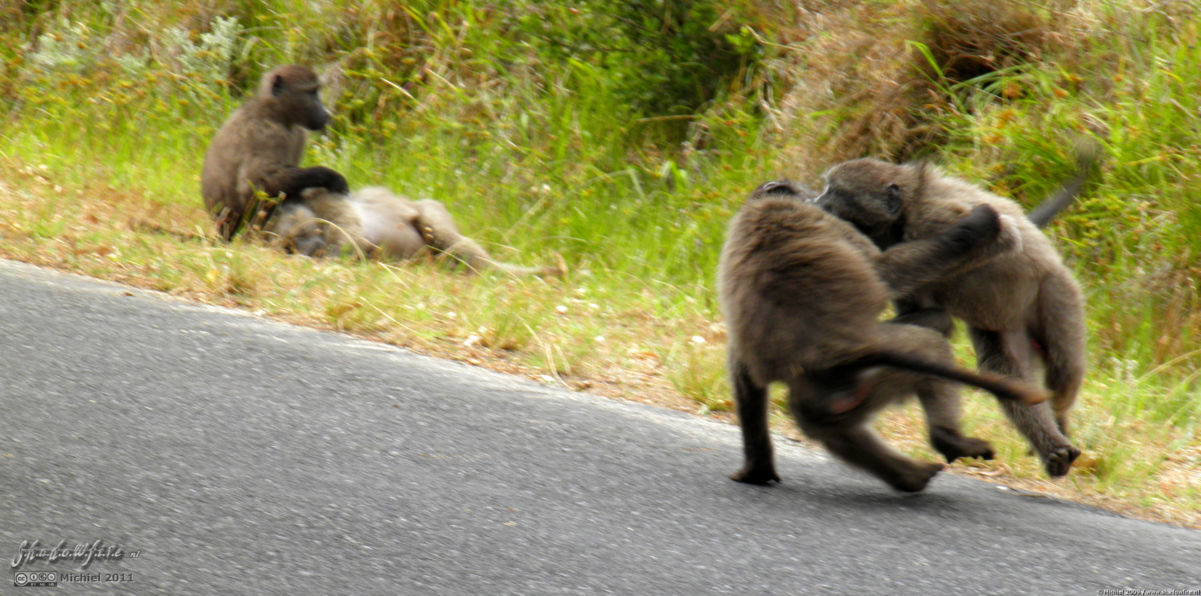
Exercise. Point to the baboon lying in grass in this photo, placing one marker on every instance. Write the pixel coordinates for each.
(802, 290)
(1021, 309)
(374, 222)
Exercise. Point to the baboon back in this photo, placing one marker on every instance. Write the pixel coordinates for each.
(791, 288)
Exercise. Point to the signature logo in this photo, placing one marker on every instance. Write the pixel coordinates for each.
(82, 553)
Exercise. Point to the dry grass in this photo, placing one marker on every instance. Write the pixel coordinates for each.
(564, 332)
(879, 85)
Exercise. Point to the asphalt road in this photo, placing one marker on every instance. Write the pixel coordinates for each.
(227, 454)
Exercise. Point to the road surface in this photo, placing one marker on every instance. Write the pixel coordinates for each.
(213, 452)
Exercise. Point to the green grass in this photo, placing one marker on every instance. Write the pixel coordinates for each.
(622, 137)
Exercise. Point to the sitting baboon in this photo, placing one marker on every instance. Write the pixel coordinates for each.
(259, 147)
(374, 222)
(801, 292)
(1020, 305)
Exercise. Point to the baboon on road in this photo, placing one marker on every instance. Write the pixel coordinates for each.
(801, 294)
(378, 223)
(1019, 308)
(259, 147)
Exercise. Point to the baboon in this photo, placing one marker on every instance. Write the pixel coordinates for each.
(801, 292)
(375, 222)
(259, 147)
(1019, 308)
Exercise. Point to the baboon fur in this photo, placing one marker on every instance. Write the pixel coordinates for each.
(258, 150)
(376, 223)
(801, 292)
(1021, 309)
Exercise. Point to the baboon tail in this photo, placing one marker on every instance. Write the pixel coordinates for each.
(1087, 157)
(1002, 387)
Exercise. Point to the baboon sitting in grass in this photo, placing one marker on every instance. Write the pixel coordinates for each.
(259, 147)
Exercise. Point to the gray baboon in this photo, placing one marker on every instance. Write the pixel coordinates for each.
(1018, 306)
(375, 222)
(259, 147)
(801, 293)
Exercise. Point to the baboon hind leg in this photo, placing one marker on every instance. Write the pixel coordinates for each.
(750, 400)
(853, 440)
(1061, 342)
(861, 447)
(1009, 354)
(439, 232)
(939, 397)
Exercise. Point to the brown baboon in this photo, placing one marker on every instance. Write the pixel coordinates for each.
(375, 222)
(1019, 308)
(939, 401)
(259, 147)
(801, 293)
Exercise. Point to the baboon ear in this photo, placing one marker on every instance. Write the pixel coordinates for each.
(277, 85)
(918, 192)
(892, 198)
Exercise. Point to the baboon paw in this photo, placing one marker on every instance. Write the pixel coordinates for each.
(915, 480)
(953, 445)
(967, 447)
(978, 448)
(760, 476)
(1060, 459)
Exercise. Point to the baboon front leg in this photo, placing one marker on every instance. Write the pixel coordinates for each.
(751, 402)
(1008, 353)
(291, 181)
(908, 267)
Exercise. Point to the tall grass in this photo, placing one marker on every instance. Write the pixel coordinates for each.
(622, 136)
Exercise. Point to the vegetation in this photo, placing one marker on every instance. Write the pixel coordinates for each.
(621, 135)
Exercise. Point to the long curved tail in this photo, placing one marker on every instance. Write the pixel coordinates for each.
(1088, 155)
(1002, 387)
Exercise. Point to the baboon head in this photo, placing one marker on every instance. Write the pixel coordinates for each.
(307, 239)
(293, 88)
(297, 230)
(872, 194)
